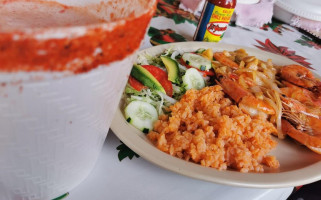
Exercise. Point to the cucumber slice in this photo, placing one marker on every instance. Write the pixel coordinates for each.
(197, 61)
(141, 114)
(193, 79)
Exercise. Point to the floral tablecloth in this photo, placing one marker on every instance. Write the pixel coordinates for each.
(174, 25)
(122, 174)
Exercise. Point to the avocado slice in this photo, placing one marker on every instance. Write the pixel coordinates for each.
(172, 69)
(146, 78)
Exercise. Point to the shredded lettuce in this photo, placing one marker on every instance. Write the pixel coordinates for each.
(168, 52)
(174, 55)
(178, 91)
(147, 59)
(157, 99)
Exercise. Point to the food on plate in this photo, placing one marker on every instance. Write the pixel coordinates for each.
(197, 61)
(302, 77)
(302, 115)
(146, 77)
(193, 79)
(288, 96)
(191, 76)
(223, 106)
(251, 83)
(208, 128)
(141, 114)
(172, 69)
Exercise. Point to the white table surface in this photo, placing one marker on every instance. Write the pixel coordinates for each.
(139, 179)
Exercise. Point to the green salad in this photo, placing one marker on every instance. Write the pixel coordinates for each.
(157, 82)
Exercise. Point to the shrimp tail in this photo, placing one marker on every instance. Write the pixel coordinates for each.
(223, 59)
(311, 141)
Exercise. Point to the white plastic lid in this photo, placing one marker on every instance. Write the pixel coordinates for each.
(310, 9)
(247, 1)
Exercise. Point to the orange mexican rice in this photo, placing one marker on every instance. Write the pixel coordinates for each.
(207, 128)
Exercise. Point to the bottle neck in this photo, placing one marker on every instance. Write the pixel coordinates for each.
(224, 3)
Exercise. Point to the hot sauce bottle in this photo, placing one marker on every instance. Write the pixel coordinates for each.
(214, 20)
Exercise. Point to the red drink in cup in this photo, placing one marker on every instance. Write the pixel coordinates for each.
(63, 65)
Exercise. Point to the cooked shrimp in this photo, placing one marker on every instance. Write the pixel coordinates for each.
(300, 76)
(292, 105)
(315, 149)
(300, 124)
(233, 89)
(301, 94)
(245, 99)
(304, 121)
(301, 116)
(252, 105)
(313, 141)
(300, 102)
(224, 60)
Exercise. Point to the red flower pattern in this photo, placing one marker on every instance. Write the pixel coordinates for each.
(270, 47)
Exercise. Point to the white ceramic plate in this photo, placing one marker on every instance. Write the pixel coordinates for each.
(298, 165)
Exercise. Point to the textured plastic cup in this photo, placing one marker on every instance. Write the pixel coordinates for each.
(55, 113)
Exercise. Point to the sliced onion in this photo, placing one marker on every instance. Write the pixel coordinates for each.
(268, 83)
(239, 71)
(269, 74)
(275, 98)
(174, 54)
(256, 89)
(182, 67)
(167, 98)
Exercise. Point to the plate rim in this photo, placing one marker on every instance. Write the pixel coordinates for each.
(137, 141)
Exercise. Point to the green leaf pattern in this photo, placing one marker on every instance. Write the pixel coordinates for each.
(125, 152)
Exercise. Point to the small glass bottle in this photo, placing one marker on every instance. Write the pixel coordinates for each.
(214, 20)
